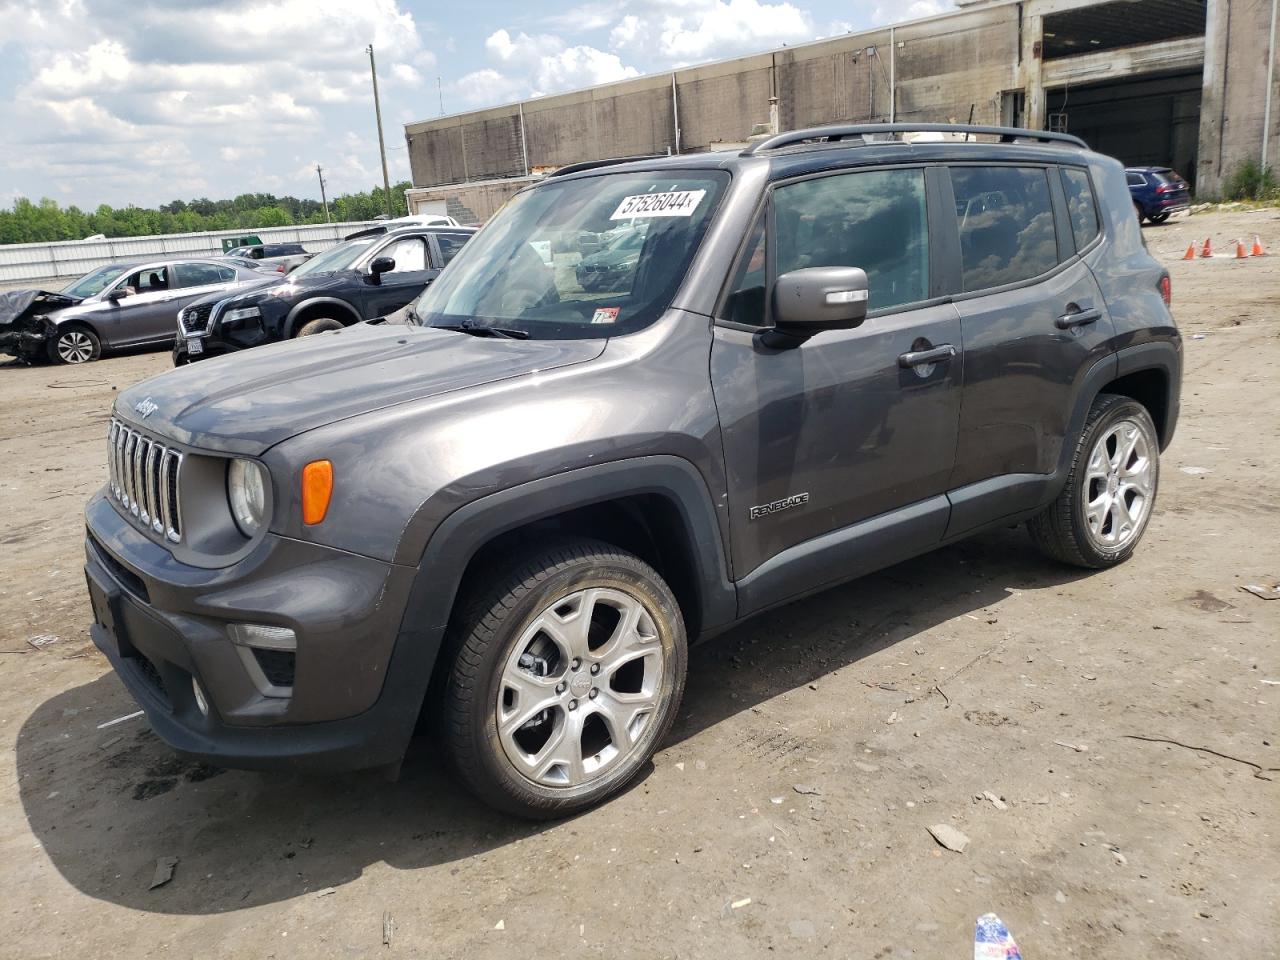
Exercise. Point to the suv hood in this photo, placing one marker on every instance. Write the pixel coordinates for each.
(248, 401)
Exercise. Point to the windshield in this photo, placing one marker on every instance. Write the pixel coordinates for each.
(340, 257)
(94, 282)
(526, 270)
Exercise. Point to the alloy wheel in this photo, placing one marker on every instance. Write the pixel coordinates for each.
(75, 347)
(580, 688)
(1119, 485)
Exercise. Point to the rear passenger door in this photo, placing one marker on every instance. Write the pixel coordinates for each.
(841, 428)
(1033, 323)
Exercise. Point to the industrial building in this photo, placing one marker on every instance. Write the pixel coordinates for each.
(1182, 83)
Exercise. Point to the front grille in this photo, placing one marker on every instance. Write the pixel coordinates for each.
(144, 480)
(196, 319)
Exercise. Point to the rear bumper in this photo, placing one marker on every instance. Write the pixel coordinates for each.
(163, 627)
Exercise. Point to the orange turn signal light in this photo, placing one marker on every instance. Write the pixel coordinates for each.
(317, 488)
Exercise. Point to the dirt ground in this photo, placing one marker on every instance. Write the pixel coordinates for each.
(788, 814)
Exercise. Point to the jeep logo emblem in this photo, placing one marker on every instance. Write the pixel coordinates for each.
(146, 407)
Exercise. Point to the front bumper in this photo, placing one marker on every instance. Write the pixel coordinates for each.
(162, 624)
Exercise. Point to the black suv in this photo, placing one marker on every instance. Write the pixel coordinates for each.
(833, 352)
(359, 279)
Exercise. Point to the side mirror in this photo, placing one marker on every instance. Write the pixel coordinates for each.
(814, 299)
(120, 292)
(382, 265)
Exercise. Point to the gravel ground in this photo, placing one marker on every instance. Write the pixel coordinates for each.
(789, 813)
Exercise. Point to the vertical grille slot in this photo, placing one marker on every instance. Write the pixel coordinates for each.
(144, 480)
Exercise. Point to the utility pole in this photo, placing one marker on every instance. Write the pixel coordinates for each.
(382, 146)
(323, 199)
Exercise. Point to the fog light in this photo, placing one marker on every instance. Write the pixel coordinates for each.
(263, 636)
(201, 702)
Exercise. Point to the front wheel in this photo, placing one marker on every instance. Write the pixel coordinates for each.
(319, 325)
(75, 345)
(1102, 512)
(568, 673)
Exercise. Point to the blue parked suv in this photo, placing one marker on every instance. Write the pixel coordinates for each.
(1158, 192)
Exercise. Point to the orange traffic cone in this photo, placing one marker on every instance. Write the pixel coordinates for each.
(1207, 249)
(1191, 252)
(1257, 248)
(1240, 254)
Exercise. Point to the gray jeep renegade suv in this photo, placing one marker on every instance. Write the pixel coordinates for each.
(834, 351)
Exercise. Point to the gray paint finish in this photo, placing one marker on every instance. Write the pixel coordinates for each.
(442, 441)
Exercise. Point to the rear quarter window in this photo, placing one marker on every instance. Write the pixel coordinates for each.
(1080, 206)
(1006, 225)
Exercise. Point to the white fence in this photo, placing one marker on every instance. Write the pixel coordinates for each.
(28, 264)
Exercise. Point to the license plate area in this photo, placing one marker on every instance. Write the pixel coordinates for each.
(195, 345)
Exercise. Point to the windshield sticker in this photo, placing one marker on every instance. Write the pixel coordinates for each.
(605, 315)
(676, 203)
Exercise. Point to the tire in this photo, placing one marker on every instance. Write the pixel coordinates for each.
(1100, 515)
(1158, 217)
(318, 325)
(1137, 208)
(516, 652)
(75, 344)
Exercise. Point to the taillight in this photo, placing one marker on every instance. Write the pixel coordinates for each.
(1166, 291)
(1166, 188)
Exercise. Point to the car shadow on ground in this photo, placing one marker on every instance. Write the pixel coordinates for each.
(105, 804)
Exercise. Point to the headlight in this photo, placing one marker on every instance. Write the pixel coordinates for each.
(247, 494)
(242, 313)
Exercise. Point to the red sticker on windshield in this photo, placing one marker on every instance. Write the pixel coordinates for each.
(605, 315)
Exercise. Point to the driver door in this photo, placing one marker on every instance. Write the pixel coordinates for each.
(838, 448)
(147, 314)
(392, 290)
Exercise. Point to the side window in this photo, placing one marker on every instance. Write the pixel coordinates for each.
(410, 254)
(201, 274)
(1006, 225)
(746, 301)
(1084, 214)
(450, 244)
(149, 280)
(1135, 179)
(874, 220)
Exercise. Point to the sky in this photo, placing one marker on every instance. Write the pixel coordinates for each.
(146, 101)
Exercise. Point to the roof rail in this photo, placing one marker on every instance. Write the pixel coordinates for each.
(865, 131)
(592, 164)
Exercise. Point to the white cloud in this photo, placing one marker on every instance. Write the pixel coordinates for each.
(686, 31)
(913, 11)
(132, 102)
(538, 64)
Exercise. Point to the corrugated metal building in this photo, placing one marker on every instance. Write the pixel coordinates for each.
(1175, 82)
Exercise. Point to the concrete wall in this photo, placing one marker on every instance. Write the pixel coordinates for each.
(942, 67)
(985, 54)
(468, 203)
(1237, 38)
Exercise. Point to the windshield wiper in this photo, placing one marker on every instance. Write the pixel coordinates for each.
(484, 330)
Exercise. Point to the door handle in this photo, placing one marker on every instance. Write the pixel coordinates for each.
(1078, 318)
(918, 358)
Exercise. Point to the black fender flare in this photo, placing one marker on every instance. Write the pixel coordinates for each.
(1165, 356)
(468, 528)
(291, 318)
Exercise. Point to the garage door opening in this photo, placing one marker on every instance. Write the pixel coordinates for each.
(1141, 121)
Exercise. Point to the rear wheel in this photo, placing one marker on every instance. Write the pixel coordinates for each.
(75, 344)
(1158, 217)
(1137, 208)
(568, 674)
(1102, 512)
(318, 325)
